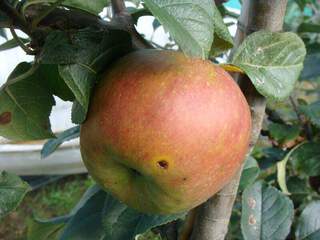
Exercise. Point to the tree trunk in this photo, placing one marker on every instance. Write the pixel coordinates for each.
(212, 217)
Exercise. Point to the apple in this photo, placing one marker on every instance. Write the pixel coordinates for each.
(164, 132)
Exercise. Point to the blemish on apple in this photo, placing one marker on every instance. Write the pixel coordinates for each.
(163, 164)
(5, 118)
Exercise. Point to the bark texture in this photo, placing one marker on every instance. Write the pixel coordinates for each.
(212, 217)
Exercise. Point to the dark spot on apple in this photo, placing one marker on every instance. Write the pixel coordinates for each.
(5, 118)
(135, 172)
(184, 179)
(163, 164)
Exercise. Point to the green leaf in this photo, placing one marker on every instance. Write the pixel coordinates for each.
(283, 133)
(308, 227)
(87, 221)
(306, 159)
(267, 213)
(222, 38)
(12, 191)
(281, 169)
(298, 189)
(272, 61)
(121, 222)
(51, 145)
(309, 27)
(78, 114)
(94, 7)
(12, 43)
(46, 229)
(311, 64)
(312, 112)
(50, 75)
(80, 80)
(250, 172)
(190, 23)
(100, 216)
(82, 56)
(26, 104)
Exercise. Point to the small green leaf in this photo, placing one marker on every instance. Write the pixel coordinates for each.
(190, 23)
(267, 213)
(306, 159)
(12, 43)
(308, 227)
(222, 38)
(272, 61)
(12, 191)
(283, 133)
(250, 172)
(312, 112)
(94, 7)
(51, 145)
(26, 104)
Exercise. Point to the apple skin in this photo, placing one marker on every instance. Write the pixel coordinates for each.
(164, 132)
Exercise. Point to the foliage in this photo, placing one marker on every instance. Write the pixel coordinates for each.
(69, 61)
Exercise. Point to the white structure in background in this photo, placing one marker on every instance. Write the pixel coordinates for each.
(24, 158)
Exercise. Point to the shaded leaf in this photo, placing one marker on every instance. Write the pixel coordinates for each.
(311, 63)
(3, 31)
(306, 159)
(312, 112)
(100, 216)
(273, 62)
(82, 56)
(51, 145)
(46, 229)
(12, 191)
(121, 222)
(190, 23)
(283, 133)
(309, 27)
(78, 114)
(308, 227)
(249, 173)
(222, 38)
(26, 104)
(266, 213)
(50, 75)
(12, 43)
(87, 220)
(93, 7)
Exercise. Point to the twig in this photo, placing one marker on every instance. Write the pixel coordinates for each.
(123, 19)
(16, 18)
(213, 216)
(119, 7)
(20, 43)
(45, 13)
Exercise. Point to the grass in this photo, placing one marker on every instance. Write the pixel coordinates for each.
(53, 200)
